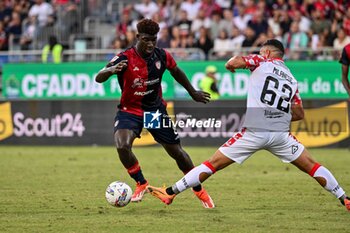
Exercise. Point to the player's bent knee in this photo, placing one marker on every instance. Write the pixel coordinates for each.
(123, 145)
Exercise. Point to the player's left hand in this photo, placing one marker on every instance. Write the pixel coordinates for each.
(201, 96)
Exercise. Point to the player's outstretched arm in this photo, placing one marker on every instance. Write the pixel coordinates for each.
(180, 77)
(104, 74)
(236, 62)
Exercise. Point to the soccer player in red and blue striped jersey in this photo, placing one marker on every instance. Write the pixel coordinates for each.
(140, 70)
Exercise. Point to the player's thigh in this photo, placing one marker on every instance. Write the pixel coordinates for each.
(126, 128)
(304, 162)
(242, 145)
(285, 146)
(124, 138)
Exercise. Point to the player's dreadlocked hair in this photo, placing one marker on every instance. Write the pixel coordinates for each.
(277, 44)
(148, 26)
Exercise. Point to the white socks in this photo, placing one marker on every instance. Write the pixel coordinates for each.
(332, 185)
(191, 179)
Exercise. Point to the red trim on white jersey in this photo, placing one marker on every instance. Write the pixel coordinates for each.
(234, 138)
(252, 61)
(296, 98)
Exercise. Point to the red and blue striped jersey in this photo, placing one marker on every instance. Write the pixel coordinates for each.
(140, 82)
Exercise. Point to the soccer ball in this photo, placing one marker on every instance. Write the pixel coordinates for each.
(118, 194)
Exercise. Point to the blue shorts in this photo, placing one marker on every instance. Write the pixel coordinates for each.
(125, 120)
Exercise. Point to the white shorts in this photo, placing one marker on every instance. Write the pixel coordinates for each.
(245, 143)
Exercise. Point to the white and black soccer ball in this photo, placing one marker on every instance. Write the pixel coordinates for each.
(118, 194)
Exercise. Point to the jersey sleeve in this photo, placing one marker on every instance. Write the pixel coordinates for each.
(344, 59)
(296, 98)
(170, 62)
(116, 59)
(253, 60)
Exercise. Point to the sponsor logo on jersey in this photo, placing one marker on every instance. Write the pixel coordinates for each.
(143, 93)
(139, 82)
(272, 114)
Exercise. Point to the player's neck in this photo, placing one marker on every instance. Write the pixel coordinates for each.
(141, 53)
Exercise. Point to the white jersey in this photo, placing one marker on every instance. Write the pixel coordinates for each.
(271, 90)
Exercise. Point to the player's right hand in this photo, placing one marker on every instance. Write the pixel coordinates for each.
(119, 67)
(201, 96)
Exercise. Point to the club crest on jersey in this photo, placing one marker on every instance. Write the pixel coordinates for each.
(158, 65)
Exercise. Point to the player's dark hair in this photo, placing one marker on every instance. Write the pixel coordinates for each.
(148, 26)
(277, 44)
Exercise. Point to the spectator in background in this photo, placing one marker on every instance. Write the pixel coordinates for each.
(342, 40)
(209, 83)
(3, 37)
(5, 12)
(215, 24)
(130, 38)
(117, 43)
(250, 7)
(346, 22)
(174, 9)
(164, 38)
(224, 4)
(157, 17)
(14, 31)
(175, 37)
(250, 37)
(295, 40)
(28, 34)
(285, 22)
(209, 7)
(227, 22)
(304, 22)
(164, 10)
(204, 42)
(52, 52)
(184, 23)
(274, 22)
(258, 23)
(319, 23)
(191, 7)
(242, 19)
(259, 42)
(43, 12)
(124, 24)
(345, 61)
(222, 46)
(147, 8)
(200, 21)
(236, 40)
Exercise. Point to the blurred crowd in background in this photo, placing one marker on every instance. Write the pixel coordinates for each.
(218, 27)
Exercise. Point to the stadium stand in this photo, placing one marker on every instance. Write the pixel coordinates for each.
(213, 29)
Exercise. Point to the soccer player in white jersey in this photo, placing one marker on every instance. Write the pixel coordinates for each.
(273, 102)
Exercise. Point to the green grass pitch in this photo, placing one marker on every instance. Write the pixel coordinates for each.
(61, 189)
